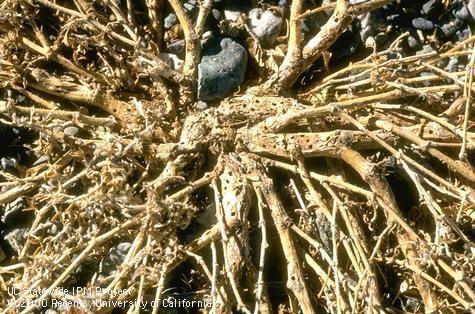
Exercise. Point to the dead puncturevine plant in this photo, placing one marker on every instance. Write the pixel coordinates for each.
(353, 193)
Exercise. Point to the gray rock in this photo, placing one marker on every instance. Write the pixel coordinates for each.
(170, 20)
(206, 36)
(412, 42)
(114, 258)
(216, 14)
(8, 164)
(71, 130)
(265, 25)
(54, 229)
(452, 66)
(189, 5)
(283, 4)
(41, 160)
(232, 15)
(461, 12)
(222, 68)
(425, 49)
(471, 9)
(431, 7)
(201, 105)
(371, 23)
(422, 24)
(462, 35)
(411, 304)
(172, 60)
(177, 47)
(16, 238)
(446, 30)
(426, 74)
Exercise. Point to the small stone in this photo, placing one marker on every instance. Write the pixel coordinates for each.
(216, 14)
(471, 9)
(462, 35)
(232, 15)
(426, 74)
(446, 30)
(411, 304)
(170, 21)
(172, 60)
(412, 42)
(16, 239)
(71, 131)
(372, 23)
(206, 36)
(114, 258)
(41, 160)
(201, 105)
(452, 66)
(189, 5)
(8, 164)
(265, 25)
(283, 4)
(177, 47)
(461, 12)
(422, 24)
(430, 8)
(425, 49)
(20, 99)
(222, 68)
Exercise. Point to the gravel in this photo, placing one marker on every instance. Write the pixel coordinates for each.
(16, 238)
(170, 21)
(265, 25)
(177, 47)
(8, 164)
(461, 12)
(201, 105)
(452, 66)
(471, 9)
(431, 8)
(423, 24)
(172, 60)
(412, 42)
(222, 68)
(41, 160)
(114, 258)
(71, 131)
